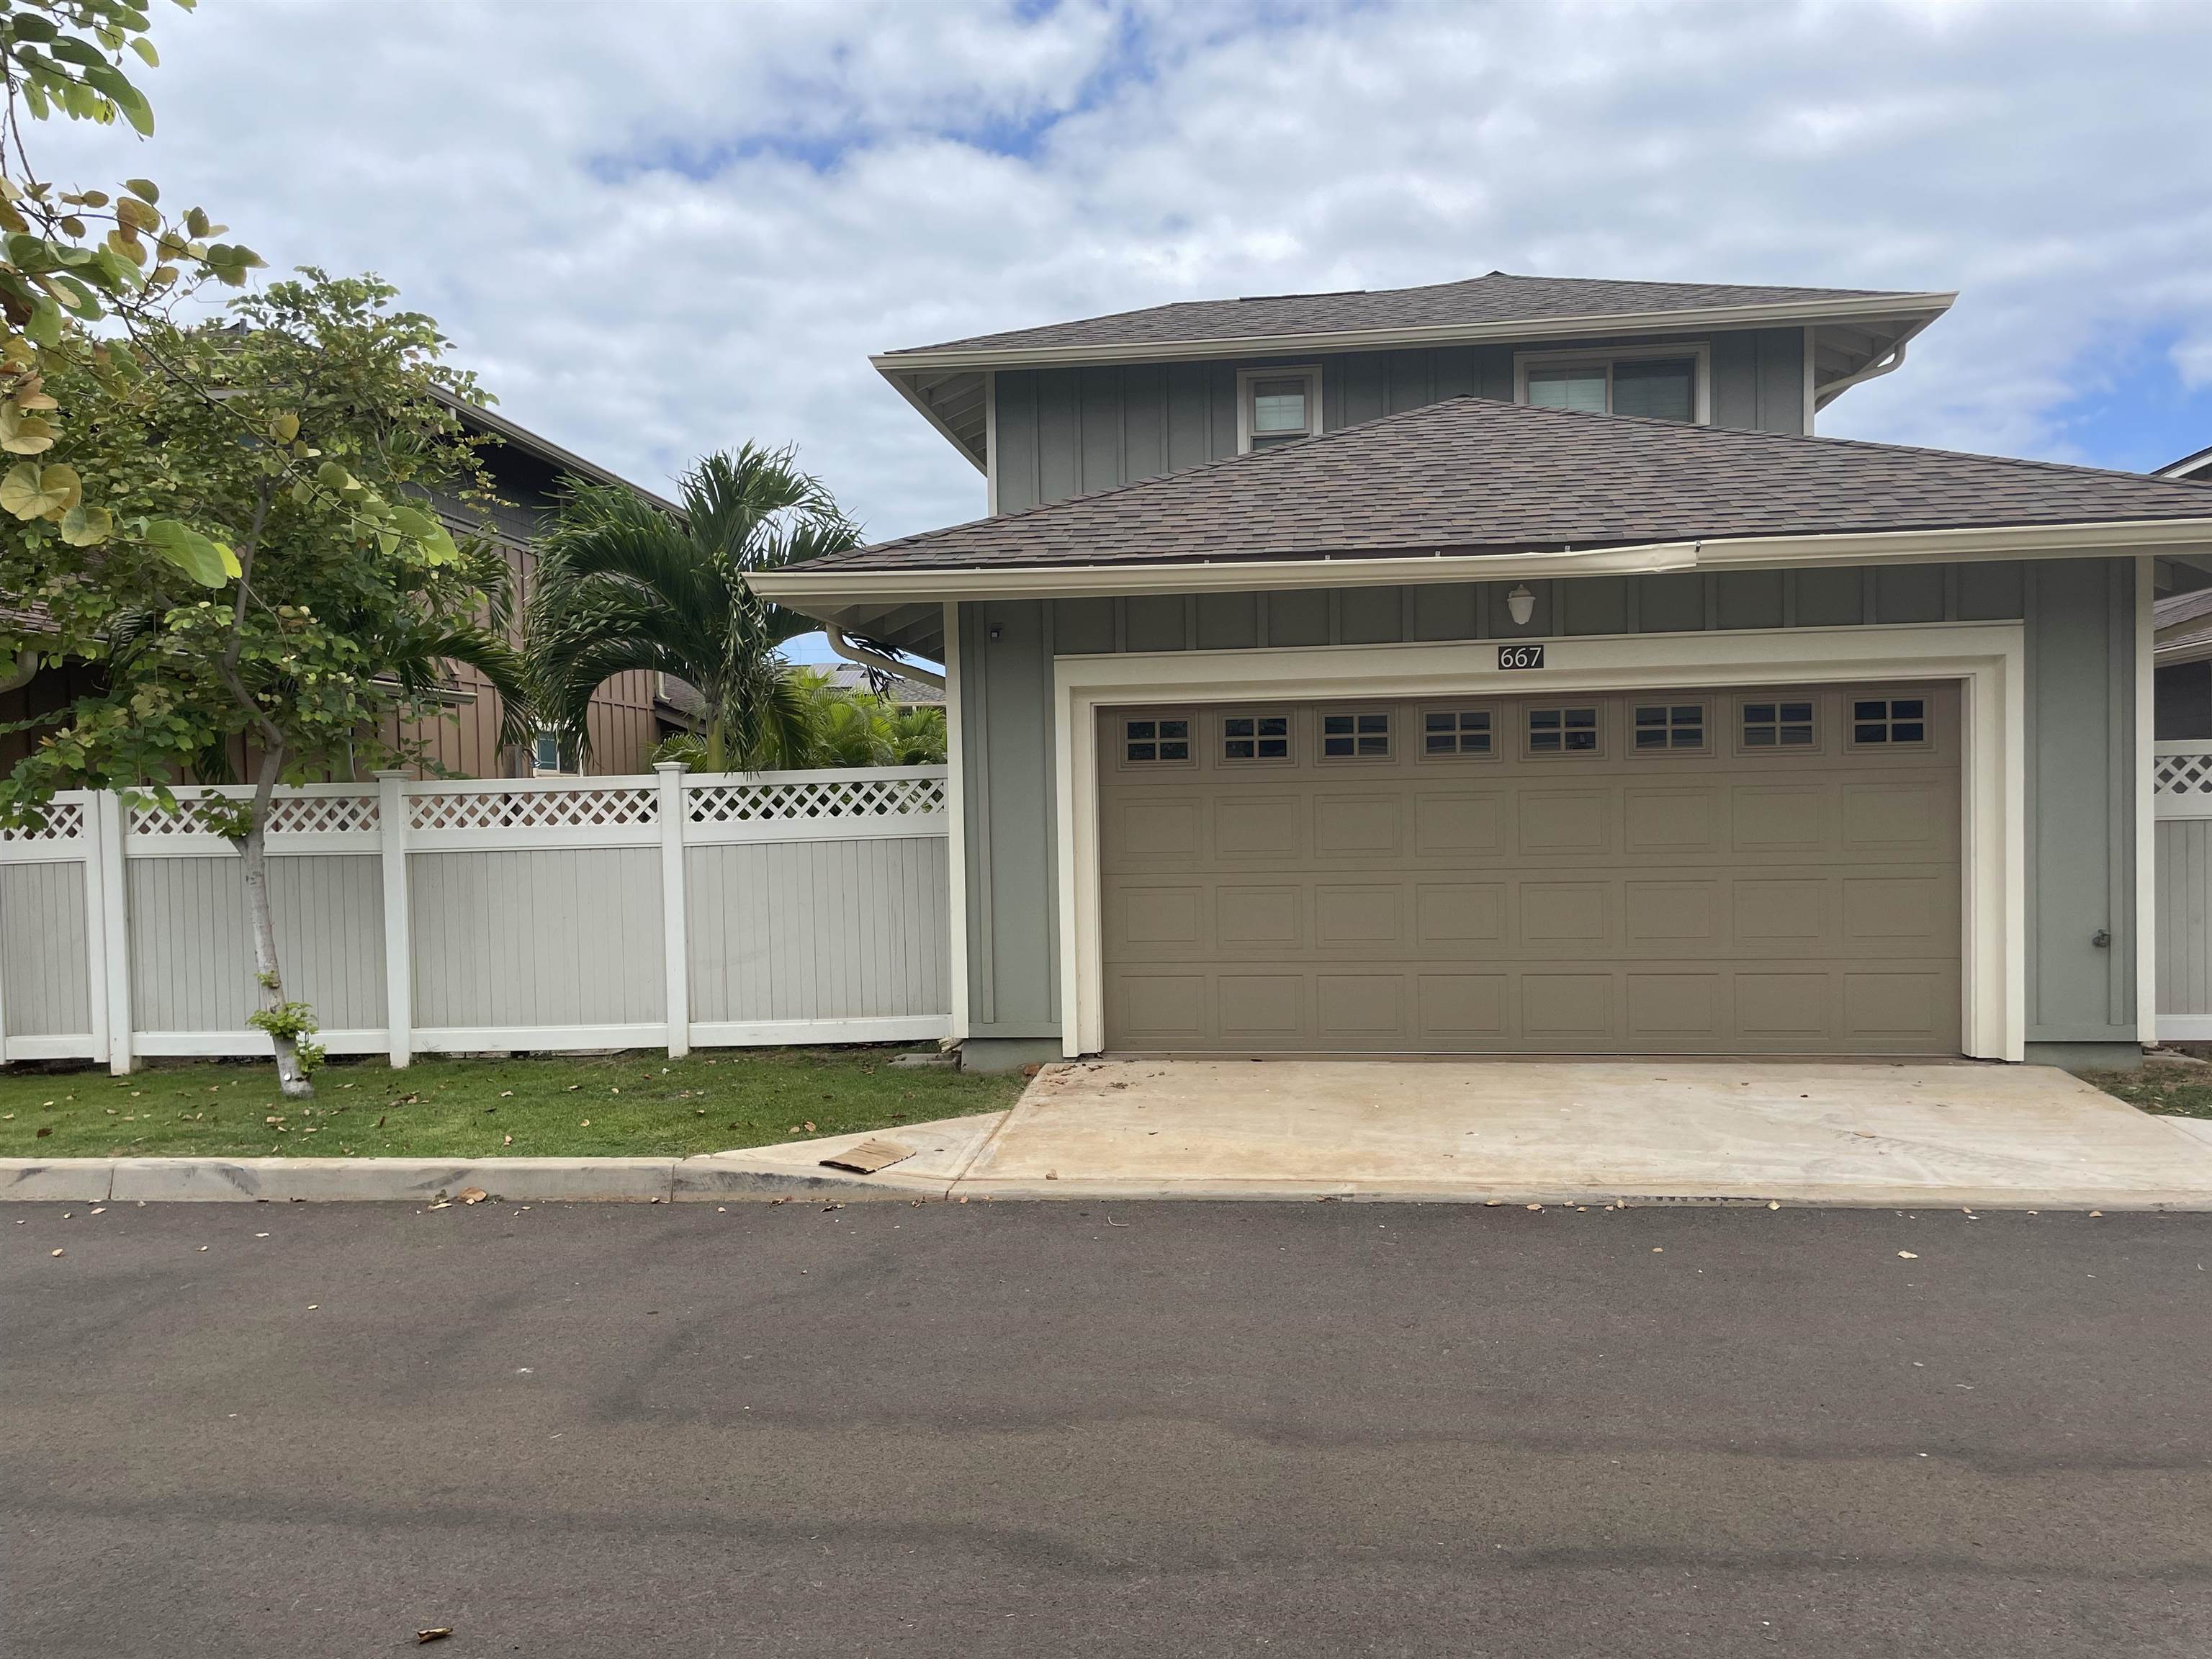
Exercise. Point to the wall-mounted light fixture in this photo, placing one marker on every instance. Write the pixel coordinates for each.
(1523, 603)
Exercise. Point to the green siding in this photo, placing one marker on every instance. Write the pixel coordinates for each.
(1064, 432)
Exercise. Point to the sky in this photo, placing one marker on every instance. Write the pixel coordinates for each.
(658, 230)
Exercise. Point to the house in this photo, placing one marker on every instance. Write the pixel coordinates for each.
(629, 713)
(1505, 666)
(2183, 638)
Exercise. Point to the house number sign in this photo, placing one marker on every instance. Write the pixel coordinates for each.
(1520, 656)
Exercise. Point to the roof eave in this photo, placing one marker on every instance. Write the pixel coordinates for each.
(1931, 305)
(545, 449)
(814, 592)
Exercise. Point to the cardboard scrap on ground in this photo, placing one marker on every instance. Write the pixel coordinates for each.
(868, 1157)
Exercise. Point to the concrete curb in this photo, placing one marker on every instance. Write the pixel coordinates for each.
(417, 1180)
(724, 1177)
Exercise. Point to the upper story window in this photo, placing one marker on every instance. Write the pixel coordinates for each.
(1277, 406)
(1664, 384)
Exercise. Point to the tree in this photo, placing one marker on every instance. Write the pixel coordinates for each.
(296, 451)
(74, 259)
(622, 586)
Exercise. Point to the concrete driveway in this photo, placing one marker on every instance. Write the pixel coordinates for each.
(1541, 1132)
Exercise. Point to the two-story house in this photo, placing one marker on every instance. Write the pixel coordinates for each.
(1504, 666)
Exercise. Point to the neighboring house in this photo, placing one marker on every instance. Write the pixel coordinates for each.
(2195, 469)
(1503, 666)
(900, 694)
(2185, 637)
(628, 714)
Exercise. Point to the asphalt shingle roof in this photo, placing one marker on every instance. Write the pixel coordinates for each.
(1474, 475)
(1496, 298)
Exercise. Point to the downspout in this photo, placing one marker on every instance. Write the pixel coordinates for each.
(883, 665)
(26, 665)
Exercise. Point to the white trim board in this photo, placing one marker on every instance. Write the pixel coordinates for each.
(1317, 410)
(1988, 659)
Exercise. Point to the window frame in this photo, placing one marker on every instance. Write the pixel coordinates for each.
(1223, 759)
(1390, 712)
(1888, 699)
(1698, 351)
(1496, 751)
(1600, 750)
(1777, 702)
(1122, 763)
(1310, 372)
(568, 767)
(1631, 727)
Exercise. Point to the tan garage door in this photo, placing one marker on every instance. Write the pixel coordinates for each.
(1711, 873)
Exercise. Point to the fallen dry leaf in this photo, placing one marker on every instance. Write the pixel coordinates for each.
(45, 1129)
(435, 1633)
(472, 1194)
(1907, 1256)
(810, 1126)
(57, 1252)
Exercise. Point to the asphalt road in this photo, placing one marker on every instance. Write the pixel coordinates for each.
(1040, 1430)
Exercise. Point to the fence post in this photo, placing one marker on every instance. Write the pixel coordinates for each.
(398, 945)
(107, 866)
(673, 943)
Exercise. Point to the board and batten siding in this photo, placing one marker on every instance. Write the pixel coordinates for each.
(1063, 432)
(2079, 617)
(46, 984)
(191, 953)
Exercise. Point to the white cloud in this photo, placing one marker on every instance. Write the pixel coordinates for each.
(660, 229)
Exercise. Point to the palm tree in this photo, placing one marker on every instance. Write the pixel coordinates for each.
(623, 585)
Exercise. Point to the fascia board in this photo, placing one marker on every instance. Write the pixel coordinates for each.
(1535, 328)
(800, 588)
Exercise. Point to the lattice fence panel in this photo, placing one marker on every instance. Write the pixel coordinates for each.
(534, 809)
(64, 821)
(2183, 775)
(288, 815)
(789, 803)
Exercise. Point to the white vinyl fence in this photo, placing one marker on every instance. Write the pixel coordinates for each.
(2181, 791)
(451, 917)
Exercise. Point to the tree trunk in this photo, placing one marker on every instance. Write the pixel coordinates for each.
(291, 1077)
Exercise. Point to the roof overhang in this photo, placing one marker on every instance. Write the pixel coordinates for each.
(950, 385)
(565, 460)
(839, 595)
(2188, 468)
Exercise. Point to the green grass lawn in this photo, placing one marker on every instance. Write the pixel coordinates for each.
(634, 1104)
(2176, 1087)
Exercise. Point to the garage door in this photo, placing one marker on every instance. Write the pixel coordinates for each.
(1688, 871)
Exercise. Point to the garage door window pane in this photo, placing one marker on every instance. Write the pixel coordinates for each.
(1155, 740)
(1889, 720)
(1355, 737)
(1256, 737)
(1669, 725)
(1455, 731)
(1563, 730)
(1778, 726)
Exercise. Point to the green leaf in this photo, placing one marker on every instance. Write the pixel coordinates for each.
(31, 492)
(145, 189)
(44, 328)
(209, 563)
(144, 48)
(86, 526)
(24, 435)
